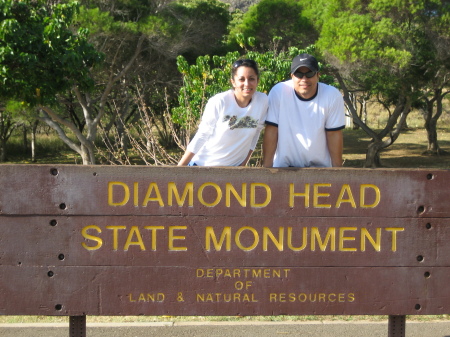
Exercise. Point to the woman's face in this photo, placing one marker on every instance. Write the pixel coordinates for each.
(245, 82)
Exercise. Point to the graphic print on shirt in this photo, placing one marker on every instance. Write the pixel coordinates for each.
(246, 122)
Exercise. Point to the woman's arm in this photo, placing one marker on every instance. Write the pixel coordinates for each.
(187, 157)
(244, 163)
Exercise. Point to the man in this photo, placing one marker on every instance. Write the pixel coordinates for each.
(305, 120)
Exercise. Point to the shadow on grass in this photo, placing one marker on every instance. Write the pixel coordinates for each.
(406, 152)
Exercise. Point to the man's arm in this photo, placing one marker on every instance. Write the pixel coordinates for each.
(335, 143)
(270, 142)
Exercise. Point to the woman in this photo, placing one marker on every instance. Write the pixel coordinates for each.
(231, 122)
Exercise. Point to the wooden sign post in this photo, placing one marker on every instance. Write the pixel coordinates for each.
(108, 240)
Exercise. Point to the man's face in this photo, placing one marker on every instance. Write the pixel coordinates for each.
(305, 87)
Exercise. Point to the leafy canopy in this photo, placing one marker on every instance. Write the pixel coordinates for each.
(40, 56)
(275, 18)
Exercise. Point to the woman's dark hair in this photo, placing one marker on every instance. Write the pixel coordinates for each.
(244, 63)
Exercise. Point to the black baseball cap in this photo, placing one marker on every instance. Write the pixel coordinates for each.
(304, 60)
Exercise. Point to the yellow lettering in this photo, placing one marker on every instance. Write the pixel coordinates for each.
(345, 189)
(126, 193)
(172, 190)
(366, 235)
(151, 187)
(153, 230)
(253, 195)
(116, 235)
(362, 197)
(292, 194)
(255, 238)
(172, 237)
(278, 243)
(200, 194)
(241, 199)
(136, 194)
(224, 237)
(343, 238)
(330, 236)
(134, 231)
(91, 237)
(289, 239)
(394, 237)
(318, 195)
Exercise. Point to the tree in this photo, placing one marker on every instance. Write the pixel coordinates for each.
(269, 19)
(7, 127)
(376, 48)
(435, 21)
(196, 27)
(171, 29)
(140, 44)
(41, 56)
(433, 110)
(15, 115)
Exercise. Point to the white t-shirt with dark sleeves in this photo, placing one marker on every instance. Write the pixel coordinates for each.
(302, 124)
(228, 132)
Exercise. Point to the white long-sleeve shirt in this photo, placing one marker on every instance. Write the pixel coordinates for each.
(228, 132)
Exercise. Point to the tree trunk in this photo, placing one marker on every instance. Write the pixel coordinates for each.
(33, 140)
(373, 154)
(123, 137)
(25, 138)
(432, 137)
(2, 150)
(401, 111)
(431, 123)
(87, 155)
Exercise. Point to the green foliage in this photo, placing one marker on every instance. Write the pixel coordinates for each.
(39, 54)
(95, 21)
(211, 75)
(124, 10)
(384, 46)
(275, 18)
(200, 25)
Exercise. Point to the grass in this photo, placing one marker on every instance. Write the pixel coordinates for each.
(49, 150)
(280, 318)
(406, 152)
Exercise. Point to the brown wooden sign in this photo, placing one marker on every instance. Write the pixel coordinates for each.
(104, 240)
